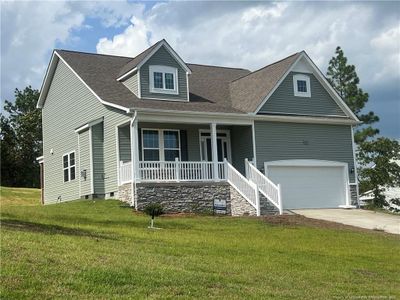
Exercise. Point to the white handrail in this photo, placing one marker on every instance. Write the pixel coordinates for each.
(125, 172)
(244, 186)
(269, 189)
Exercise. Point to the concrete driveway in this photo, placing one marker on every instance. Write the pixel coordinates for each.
(355, 217)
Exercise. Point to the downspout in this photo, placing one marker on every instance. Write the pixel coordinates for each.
(133, 160)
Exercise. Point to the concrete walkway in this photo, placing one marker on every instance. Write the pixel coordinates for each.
(355, 217)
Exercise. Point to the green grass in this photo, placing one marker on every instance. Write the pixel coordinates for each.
(104, 250)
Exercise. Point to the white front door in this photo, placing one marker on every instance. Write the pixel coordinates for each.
(223, 146)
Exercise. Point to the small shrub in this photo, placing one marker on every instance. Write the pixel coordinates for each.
(153, 210)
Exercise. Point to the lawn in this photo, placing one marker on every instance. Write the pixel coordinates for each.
(104, 250)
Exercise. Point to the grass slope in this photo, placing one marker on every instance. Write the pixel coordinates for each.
(103, 250)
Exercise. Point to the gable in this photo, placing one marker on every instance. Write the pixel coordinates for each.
(284, 101)
(162, 57)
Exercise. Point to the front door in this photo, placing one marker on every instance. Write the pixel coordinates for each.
(223, 146)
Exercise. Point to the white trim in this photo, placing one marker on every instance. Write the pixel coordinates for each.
(301, 119)
(139, 85)
(91, 162)
(117, 152)
(79, 166)
(40, 105)
(192, 118)
(305, 163)
(163, 70)
(277, 85)
(40, 159)
(269, 113)
(296, 91)
(227, 138)
(214, 150)
(355, 166)
(196, 117)
(165, 99)
(161, 147)
(69, 166)
(321, 78)
(127, 74)
(253, 135)
(187, 86)
(314, 163)
(169, 49)
(89, 124)
(45, 83)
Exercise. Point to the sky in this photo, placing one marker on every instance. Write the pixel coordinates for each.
(240, 34)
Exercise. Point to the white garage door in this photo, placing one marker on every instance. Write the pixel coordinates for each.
(310, 186)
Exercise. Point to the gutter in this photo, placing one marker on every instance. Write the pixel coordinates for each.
(133, 165)
(254, 117)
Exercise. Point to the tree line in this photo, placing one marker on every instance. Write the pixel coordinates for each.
(21, 136)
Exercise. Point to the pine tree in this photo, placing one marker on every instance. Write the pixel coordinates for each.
(343, 77)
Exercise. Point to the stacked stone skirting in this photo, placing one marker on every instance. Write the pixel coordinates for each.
(188, 197)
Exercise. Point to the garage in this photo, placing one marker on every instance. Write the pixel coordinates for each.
(310, 183)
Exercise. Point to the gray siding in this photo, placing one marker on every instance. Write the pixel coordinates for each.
(163, 58)
(84, 163)
(242, 146)
(280, 141)
(284, 101)
(132, 83)
(124, 143)
(69, 104)
(98, 158)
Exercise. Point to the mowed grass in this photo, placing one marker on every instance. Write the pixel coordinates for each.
(104, 250)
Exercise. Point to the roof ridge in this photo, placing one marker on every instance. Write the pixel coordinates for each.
(91, 53)
(148, 48)
(278, 61)
(214, 66)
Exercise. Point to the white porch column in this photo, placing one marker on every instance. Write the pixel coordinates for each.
(213, 129)
(135, 150)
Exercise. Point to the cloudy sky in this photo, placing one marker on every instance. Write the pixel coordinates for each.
(243, 34)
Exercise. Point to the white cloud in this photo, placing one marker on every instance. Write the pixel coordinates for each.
(129, 43)
(387, 44)
(31, 30)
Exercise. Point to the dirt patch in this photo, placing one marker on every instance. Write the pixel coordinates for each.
(298, 220)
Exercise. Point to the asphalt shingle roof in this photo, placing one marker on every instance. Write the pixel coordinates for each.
(212, 88)
(248, 92)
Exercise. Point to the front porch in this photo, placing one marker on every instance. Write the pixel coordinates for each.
(188, 167)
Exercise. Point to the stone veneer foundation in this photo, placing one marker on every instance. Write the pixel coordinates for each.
(188, 197)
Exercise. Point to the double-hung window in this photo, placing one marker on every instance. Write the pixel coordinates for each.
(160, 144)
(301, 85)
(69, 166)
(163, 79)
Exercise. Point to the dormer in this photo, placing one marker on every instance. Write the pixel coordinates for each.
(158, 73)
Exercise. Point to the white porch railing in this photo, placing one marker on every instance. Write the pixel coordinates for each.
(125, 172)
(269, 189)
(157, 171)
(244, 186)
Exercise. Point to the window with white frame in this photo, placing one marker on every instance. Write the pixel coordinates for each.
(301, 85)
(160, 144)
(163, 79)
(69, 166)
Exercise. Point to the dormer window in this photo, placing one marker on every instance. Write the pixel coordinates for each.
(301, 85)
(163, 79)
